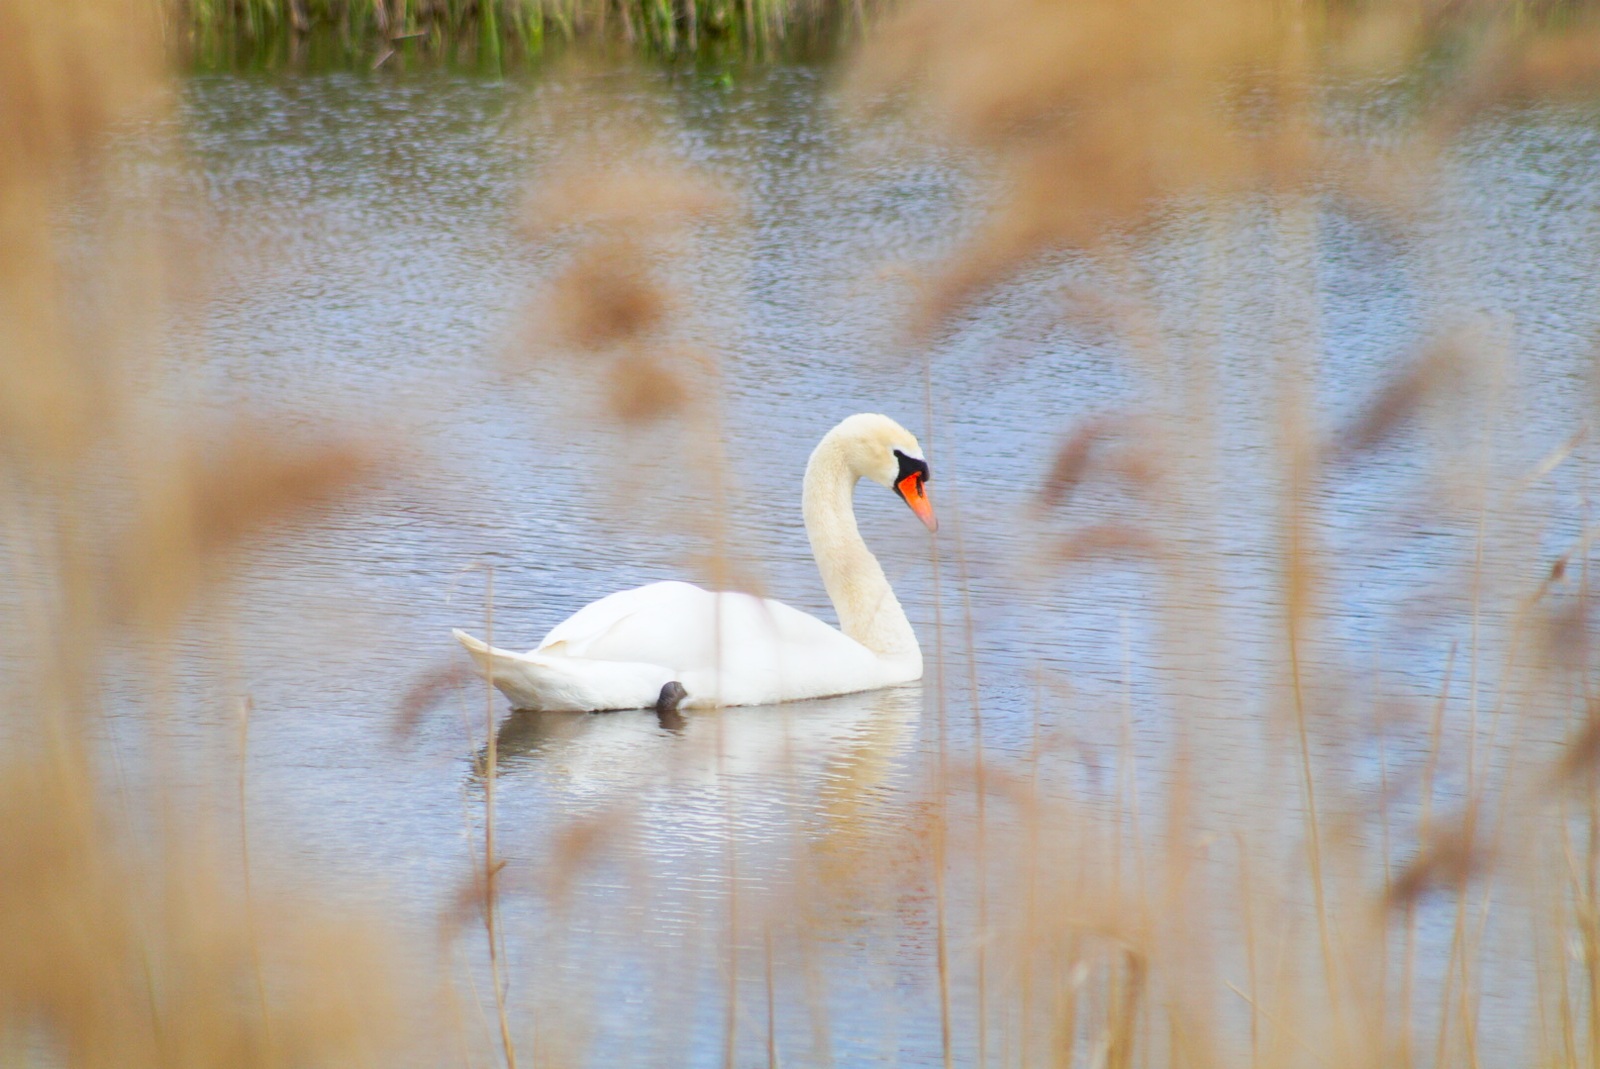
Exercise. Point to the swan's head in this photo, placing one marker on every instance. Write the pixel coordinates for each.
(877, 448)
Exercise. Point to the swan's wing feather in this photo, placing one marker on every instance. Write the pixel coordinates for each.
(676, 623)
(726, 634)
(726, 648)
(578, 633)
(770, 651)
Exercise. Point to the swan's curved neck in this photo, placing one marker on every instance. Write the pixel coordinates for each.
(868, 610)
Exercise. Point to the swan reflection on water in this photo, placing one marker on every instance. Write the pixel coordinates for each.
(850, 738)
(613, 819)
(809, 791)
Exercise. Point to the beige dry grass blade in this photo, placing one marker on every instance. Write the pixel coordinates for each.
(220, 491)
(109, 961)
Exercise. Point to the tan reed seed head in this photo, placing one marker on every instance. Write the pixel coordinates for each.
(1100, 114)
(607, 295)
(627, 210)
(215, 493)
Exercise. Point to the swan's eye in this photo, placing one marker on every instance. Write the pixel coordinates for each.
(911, 466)
(913, 473)
(909, 485)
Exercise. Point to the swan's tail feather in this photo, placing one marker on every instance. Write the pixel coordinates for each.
(495, 664)
(516, 675)
(541, 680)
(483, 654)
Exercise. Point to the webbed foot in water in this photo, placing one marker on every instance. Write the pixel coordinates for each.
(667, 714)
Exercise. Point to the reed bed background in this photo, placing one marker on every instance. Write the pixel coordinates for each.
(245, 32)
(1155, 931)
(516, 29)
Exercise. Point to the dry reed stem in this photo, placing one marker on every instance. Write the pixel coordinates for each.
(470, 901)
(123, 941)
(112, 964)
(489, 873)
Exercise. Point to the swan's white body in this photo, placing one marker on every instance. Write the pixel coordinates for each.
(733, 648)
(725, 648)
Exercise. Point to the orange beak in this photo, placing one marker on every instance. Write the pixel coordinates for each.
(916, 495)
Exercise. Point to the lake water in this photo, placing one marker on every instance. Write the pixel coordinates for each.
(769, 874)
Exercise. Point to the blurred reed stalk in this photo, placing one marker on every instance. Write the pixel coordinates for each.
(491, 862)
(128, 936)
(1103, 121)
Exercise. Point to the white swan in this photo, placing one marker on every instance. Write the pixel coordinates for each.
(738, 649)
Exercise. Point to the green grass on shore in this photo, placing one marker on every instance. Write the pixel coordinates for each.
(229, 32)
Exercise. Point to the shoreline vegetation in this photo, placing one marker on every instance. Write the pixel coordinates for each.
(499, 34)
(272, 33)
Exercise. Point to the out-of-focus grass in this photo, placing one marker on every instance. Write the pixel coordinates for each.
(126, 935)
(1170, 935)
(1105, 120)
